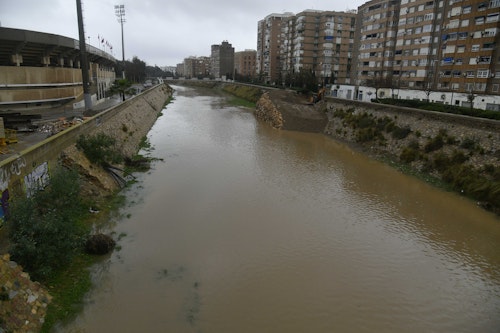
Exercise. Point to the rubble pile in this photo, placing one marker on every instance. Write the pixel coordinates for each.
(23, 303)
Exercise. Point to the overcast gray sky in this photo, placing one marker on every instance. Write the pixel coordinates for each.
(159, 32)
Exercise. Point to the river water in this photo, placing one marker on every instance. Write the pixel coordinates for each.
(243, 228)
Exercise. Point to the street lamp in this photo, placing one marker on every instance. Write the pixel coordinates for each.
(120, 14)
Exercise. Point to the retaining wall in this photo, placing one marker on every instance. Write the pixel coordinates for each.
(127, 122)
(424, 125)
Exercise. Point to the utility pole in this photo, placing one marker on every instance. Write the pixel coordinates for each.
(120, 13)
(83, 57)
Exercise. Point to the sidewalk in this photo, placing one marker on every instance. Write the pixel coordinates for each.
(50, 117)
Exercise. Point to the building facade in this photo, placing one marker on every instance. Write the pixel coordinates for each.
(445, 46)
(269, 41)
(222, 60)
(245, 64)
(314, 42)
(468, 60)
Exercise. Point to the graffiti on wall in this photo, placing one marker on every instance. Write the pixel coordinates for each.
(37, 179)
(4, 206)
(6, 173)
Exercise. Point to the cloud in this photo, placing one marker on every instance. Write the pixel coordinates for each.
(157, 31)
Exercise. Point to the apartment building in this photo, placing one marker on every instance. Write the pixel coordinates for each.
(418, 43)
(316, 41)
(335, 46)
(430, 46)
(469, 60)
(245, 63)
(222, 57)
(376, 43)
(269, 40)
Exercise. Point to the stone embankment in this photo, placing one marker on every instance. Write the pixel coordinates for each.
(475, 137)
(128, 128)
(460, 151)
(289, 111)
(23, 303)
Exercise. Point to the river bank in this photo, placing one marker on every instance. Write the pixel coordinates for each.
(459, 153)
(128, 125)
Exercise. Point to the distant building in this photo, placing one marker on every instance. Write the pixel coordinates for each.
(269, 41)
(313, 41)
(245, 64)
(429, 46)
(222, 59)
(179, 69)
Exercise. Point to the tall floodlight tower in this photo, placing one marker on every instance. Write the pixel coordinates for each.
(120, 14)
(83, 57)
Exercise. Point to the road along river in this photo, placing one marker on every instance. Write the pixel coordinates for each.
(243, 228)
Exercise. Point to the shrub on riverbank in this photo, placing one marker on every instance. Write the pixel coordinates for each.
(99, 149)
(453, 161)
(46, 229)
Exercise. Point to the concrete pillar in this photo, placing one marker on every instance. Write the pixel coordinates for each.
(61, 62)
(17, 59)
(46, 61)
(70, 63)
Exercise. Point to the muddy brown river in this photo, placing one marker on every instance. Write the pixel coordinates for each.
(243, 228)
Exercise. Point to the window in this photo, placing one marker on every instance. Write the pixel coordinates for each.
(494, 3)
(460, 48)
(483, 59)
(455, 11)
(475, 48)
(489, 46)
(482, 6)
(490, 32)
(428, 17)
(453, 24)
(480, 86)
(495, 87)
(479, 20)
(467, 9)
(465, 23)
(483, 73)
(492, 18)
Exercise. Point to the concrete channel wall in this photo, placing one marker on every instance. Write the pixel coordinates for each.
(127, 122)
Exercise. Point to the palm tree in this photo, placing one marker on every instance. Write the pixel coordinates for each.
(122, 87)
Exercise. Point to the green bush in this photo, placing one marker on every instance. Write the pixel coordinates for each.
(468, 143)
(99, 149)
(366, 134)
(400, 133)
(409, 154)
(45, 232)
(434, 144)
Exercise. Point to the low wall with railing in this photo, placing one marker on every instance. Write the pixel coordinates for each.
(127, 122)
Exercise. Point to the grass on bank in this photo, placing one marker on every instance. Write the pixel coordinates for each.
(48, 230)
